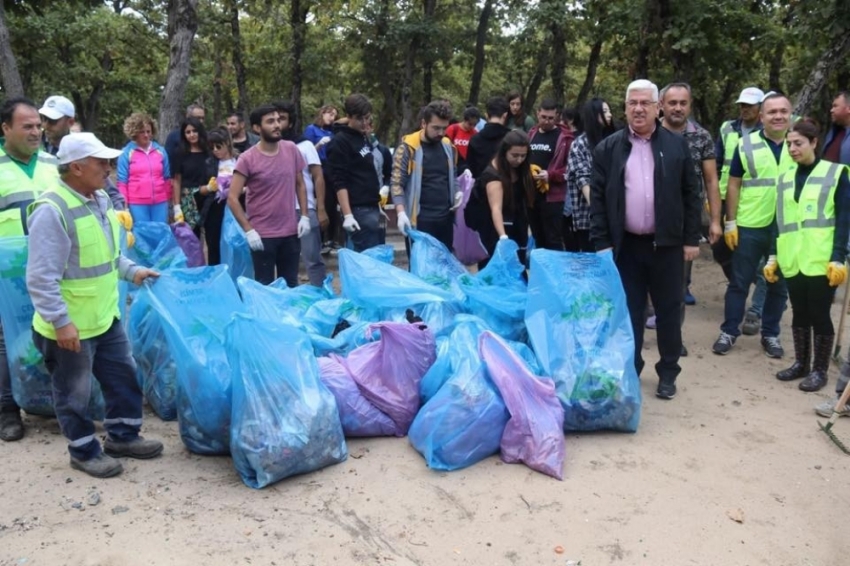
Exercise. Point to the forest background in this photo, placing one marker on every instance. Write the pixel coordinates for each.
(118, 56)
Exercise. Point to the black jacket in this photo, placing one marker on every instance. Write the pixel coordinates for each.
(677, 202)
(483, 146)
(351, 166)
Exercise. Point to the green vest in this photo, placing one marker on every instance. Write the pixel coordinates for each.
(757, 203)
(729, 138)
(89, 285)
(17, 190)
(807, 227)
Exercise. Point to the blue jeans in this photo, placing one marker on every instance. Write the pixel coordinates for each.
(759, 293)
(149, 212)
(108, 357)
(311, 252)
(7, 402)
(753, 245)
(372, 233)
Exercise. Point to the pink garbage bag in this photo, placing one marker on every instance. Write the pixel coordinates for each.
(189, 243)
(466, 242)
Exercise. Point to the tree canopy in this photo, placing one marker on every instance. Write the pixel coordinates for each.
(115, 57)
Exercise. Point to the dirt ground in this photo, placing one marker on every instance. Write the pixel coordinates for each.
(734, 471)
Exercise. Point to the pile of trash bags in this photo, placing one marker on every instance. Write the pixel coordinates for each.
(503, 361)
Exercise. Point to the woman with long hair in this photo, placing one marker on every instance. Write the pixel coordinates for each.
(503, 193)
(220, 164)
(597, 124)
(518, 119)
(191, 175)
(813, 223)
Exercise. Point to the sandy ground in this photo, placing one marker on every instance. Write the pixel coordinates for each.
(734, 444)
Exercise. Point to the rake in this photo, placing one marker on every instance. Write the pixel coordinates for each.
(827, 428)
(836, 353)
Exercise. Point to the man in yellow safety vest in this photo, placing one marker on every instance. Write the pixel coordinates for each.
(73, 269)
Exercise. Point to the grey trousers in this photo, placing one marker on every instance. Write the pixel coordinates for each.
(311, 251)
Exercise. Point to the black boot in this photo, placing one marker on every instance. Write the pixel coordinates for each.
(816, 380)
(802, 354)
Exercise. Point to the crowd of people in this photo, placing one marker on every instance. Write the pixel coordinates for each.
(774, 207)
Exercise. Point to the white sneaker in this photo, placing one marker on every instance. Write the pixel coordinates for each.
(825, 409)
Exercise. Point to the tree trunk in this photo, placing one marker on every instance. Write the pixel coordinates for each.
(217, 71)
(480, 42)
(383, 60)
(838, 50)
(559, 62)
(407, 91)
(182, 26)
(8, 64)
(428, 64)
(590, 75)
(243, 105)
(298, 21)
(530, 98)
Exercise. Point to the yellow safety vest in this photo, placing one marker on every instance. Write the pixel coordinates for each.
(807, 226)
(89, 284)
(757, 203)
(729, 138)
(17, 190)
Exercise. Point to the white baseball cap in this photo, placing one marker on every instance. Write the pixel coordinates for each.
(56, 107)
(75, 147)
(750, 95)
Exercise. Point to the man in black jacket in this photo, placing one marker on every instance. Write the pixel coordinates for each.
(644, 201)
(484, 144)
(351, 167)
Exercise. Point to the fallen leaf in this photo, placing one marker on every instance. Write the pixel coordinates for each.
(736, 515)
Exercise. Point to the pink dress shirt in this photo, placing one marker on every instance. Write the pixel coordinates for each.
(640, 186)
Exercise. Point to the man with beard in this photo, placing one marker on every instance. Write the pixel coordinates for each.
(423, 183)
(242, 138)
(272, 169)
(676, 104)
(57, 117)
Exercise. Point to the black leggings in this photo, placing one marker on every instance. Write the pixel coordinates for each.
(811, 298)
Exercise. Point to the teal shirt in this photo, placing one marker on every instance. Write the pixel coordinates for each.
(28, 168)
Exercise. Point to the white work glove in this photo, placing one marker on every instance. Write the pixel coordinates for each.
(503, 237)
(458, 201)
(178, 213)
(349, 224)
(324, 140)
(254, 240)
(404, 223)
(303, 226)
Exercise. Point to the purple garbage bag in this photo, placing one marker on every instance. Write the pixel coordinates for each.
(388, 372)
(466, 241)
(189, 243)
(534, 434)
(359, 417)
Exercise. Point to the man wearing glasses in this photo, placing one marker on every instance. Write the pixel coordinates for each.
(645, 207)
(57, 117)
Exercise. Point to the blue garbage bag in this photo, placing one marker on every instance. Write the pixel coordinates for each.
(277, 302)
(235, 252)
(156, 247)
(285, 421)
(462, 423)
(373, 284)
(498, 293)
(385, 253)
(356, 335)
(31, 385)
(434, 263)
(193, 307)
(579, 327)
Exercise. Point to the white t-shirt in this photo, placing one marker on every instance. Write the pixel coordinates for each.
(311, 156)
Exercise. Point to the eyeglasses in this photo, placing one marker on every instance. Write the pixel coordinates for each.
(640, 103)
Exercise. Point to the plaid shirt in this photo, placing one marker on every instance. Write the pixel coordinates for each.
(579, 167)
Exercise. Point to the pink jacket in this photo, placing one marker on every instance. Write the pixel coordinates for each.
(144, 178)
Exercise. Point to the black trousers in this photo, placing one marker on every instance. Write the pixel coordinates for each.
(212, 231)
(546, 224)
(811, 298)
(516, 229)
(281, 253)
(443, 229)
(658, 271)
(722, 254)
(575, 240)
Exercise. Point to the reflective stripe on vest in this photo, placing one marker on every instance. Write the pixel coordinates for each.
(757, 204)
(17, 190)
(74, 270)
(89, 282)
(729, 138)
(806, 226)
